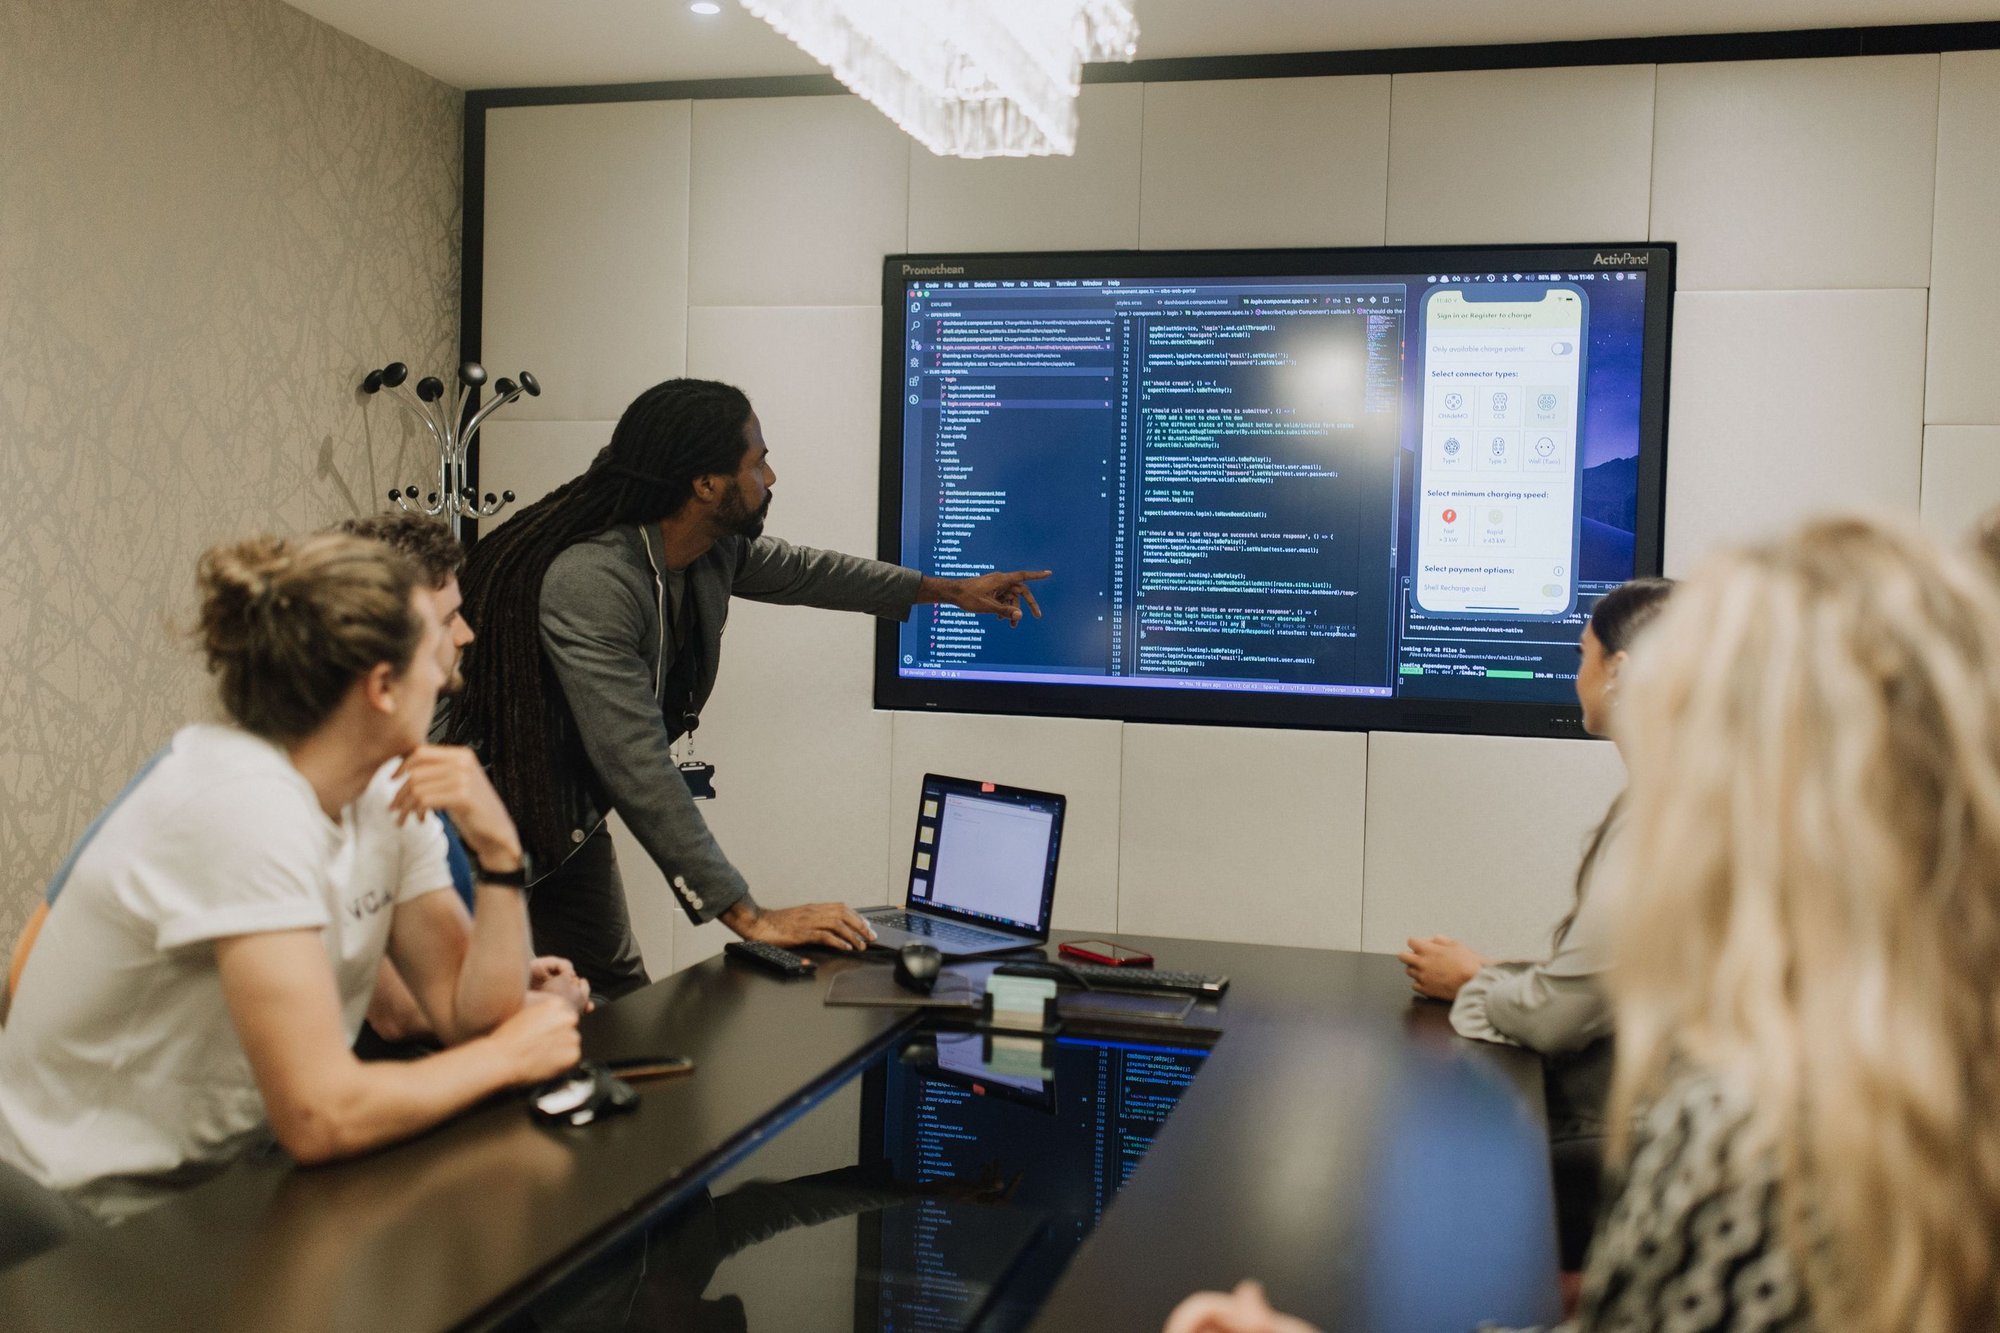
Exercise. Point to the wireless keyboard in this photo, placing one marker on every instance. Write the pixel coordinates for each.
(1099, 977)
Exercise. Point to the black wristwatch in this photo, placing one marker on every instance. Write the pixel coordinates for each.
(516, 878)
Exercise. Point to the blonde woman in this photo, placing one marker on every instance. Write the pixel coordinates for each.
(1806, 952)
(1805, 966)
(201, 975)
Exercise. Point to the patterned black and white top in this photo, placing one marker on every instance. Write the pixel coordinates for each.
(1691, 1243)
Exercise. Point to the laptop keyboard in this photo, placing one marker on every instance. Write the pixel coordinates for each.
(944, 932)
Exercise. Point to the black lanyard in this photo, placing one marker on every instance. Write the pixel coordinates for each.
(679, 684)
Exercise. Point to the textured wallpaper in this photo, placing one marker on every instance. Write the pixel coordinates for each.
(215, 215)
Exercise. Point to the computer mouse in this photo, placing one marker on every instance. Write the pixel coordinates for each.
(917, 967)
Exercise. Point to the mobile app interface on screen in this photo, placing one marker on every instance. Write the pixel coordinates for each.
(1498, 499)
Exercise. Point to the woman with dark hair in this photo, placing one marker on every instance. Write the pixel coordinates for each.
(212, 943)
(600, 610)
(1558, 1006)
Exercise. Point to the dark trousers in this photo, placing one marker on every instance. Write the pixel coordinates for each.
(578, 912)
(34, 1218)
(1577, 1086)
(1578, 1165)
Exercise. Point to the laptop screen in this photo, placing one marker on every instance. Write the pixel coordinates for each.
(986, 853)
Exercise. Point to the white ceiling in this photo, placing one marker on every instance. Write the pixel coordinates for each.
(518, 43)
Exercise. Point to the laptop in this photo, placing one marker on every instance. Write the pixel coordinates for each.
(982, 870)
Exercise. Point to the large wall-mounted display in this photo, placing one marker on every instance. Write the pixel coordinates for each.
(1334, 488)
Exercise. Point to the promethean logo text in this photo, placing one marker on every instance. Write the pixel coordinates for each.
(932, 270)
(1621, 258)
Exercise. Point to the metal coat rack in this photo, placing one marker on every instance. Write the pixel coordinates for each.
(453, 498)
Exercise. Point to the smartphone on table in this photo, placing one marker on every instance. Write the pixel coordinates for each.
(1106, 953)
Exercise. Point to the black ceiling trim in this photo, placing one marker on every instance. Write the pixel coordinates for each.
(1804, 44)
(790, 85)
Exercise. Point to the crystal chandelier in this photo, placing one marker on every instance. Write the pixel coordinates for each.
(964, 78)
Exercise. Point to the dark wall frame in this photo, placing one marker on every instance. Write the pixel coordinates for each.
(1809, 43)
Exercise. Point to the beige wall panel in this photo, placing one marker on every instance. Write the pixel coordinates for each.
(532, 458)
(1086, 202)
(698, 944)
(1238, 833)
(1962, 385)
(1789, 404)
(1077, 757)
(813, 377)
(1777, 174)
(795, 201)
(1521, 155)
(802, 757)
(1961, 478)
(1478, 837)
(586, 253)
(802, 760)
(1245, 162)
(802, 772)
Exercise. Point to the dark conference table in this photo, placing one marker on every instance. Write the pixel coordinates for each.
(1339, 1143)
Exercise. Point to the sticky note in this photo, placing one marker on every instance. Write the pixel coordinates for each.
(1019, 1002)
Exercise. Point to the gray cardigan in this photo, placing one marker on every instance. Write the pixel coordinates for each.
(1556, 1006)
(604, 628)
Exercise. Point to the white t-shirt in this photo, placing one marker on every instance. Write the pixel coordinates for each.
(119, 1057)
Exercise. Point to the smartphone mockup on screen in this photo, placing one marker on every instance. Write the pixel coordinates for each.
(1499, 500)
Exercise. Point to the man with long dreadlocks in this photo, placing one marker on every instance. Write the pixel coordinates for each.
(600, 610)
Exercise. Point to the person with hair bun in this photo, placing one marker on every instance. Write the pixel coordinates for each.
(602, 608)
(1558, 1006)
(212, 942)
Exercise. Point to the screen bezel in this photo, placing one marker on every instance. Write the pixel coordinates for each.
(1222, 707)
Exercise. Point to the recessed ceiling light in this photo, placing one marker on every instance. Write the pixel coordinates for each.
(705, 7)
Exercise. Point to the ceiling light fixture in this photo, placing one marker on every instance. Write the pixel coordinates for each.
(705, 7)
(964, 78)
